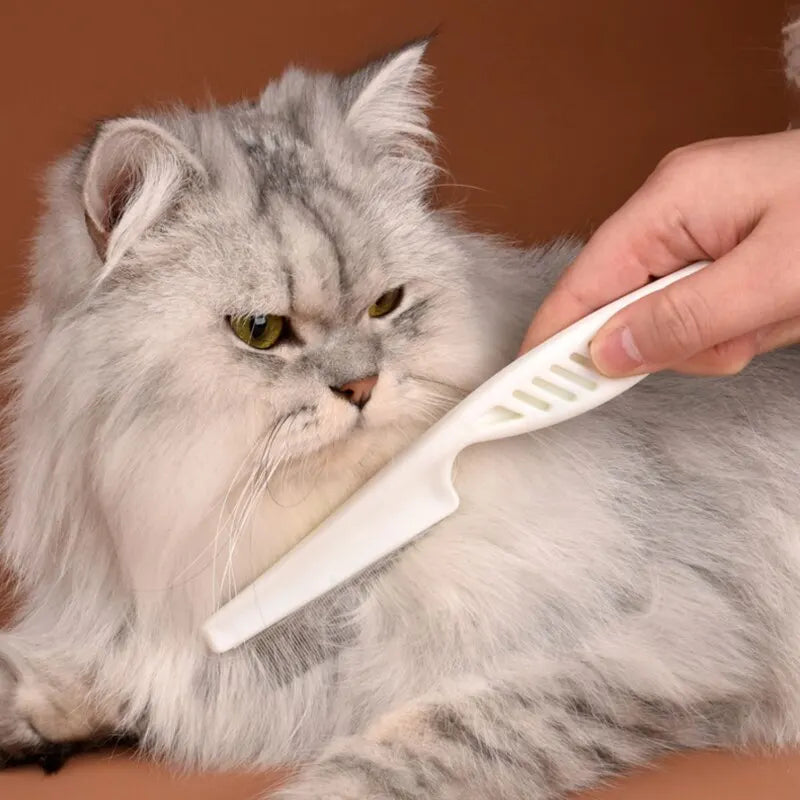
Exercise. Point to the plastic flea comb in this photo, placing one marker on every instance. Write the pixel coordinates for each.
(547, 385)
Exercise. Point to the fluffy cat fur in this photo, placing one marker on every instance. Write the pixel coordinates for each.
(620, 586)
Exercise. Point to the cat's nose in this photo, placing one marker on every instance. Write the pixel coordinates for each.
(357, 392)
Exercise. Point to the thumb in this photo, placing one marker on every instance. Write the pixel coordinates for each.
(735, 295)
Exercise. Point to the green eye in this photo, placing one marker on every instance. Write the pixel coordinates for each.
(261, 331)
(386, 303)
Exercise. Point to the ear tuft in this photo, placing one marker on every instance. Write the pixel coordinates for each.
(387, 100)
(136, 172)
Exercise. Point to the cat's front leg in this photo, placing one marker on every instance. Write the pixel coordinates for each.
(16, 731)
(502, 739)
(47, 706)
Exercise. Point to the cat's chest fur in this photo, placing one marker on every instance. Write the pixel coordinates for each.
(509, 492)
(299, 498)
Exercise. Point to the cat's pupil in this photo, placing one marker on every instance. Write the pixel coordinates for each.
(258, 326)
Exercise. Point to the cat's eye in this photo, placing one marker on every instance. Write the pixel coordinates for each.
(386, 303)
(261, 331)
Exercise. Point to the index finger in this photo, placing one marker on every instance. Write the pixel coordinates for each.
(645, 239)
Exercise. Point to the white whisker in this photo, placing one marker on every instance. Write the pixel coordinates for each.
(251, 493)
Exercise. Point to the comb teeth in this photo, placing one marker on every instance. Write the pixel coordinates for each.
(561, 384)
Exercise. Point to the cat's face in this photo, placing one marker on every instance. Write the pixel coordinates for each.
(276, 266)
(230, 303)
(314, 314)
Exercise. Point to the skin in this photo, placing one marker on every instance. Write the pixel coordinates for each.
(733, 201)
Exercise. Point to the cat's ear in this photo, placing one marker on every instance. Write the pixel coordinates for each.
(386, 101)
(135, 173)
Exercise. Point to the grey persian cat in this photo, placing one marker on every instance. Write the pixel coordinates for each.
(213, 296)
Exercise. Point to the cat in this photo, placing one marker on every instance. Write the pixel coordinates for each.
(237, 315)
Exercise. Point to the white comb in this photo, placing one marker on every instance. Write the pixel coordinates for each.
(551, 383)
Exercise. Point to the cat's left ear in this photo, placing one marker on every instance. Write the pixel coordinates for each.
(386, 101)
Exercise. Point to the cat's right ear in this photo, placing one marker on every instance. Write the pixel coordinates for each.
(136, 171)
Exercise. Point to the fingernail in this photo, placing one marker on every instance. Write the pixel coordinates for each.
(616, 353)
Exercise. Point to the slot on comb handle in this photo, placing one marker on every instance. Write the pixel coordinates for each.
(556, 380)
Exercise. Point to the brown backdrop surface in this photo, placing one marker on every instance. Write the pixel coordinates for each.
(552, 111)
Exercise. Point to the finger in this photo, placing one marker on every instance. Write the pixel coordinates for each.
(606, 269)
(734, 296)
(646, 238)
(730, 358)
(727, 358)
(780, 334)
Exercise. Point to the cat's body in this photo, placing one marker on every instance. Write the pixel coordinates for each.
(623, 584)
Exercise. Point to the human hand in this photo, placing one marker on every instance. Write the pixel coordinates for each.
(734, 201)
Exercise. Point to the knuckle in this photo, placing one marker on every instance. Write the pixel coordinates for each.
(680, 324)
(576, 297)
(685, 163)
(678, 159)
(731, 368)
(731, 358)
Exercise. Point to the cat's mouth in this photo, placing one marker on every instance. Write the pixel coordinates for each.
(335, 428)
(313, 431)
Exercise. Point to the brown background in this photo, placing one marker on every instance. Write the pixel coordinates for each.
(553, 111)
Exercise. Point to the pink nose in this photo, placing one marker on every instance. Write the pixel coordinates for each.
(357, 392)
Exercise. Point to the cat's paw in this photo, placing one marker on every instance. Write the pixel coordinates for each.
(17, 734)
(45, 720)
(40, 720)
(20, 743)
(49, 757)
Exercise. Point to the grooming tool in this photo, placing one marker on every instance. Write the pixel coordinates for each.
(552, 383)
